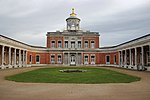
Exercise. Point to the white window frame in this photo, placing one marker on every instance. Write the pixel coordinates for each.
(86, 60)
(92, 60)
(79, 44)
(86, 45)
(106, 59)
(115, 59)
(73, 42)
(36, 59)
(66, 46)
(92, 44)
(53, 46)
(52, 62)
(59, 61)
(59, 44)
(30, 59)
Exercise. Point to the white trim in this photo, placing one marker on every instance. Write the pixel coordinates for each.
(78, 44)
(86, 62)
(93, 62)
(106, 59)
(39, 58)
(52, 43)
(52, 62)
(148, 57)
(59, 62)
(31, 59)
(87, 43)
(115, 60)
(58, 44)
(65, 44)
(91, 44)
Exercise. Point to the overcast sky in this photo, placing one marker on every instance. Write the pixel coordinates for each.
(117, 21)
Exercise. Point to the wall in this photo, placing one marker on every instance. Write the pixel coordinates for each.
(102, 57)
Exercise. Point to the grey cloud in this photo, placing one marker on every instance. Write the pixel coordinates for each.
(123, 26)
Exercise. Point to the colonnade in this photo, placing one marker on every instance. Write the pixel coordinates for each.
(11, 57)
(135, 58)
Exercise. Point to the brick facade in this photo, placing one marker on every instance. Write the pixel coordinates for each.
(75, 47)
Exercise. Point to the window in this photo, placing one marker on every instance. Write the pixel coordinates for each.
(92, 58)
(92, 44)
(59, 44)
(79, 44)
(85, 59)
(86, 44)
(53, 44)
(59, 59)
(72, 44)
(66, 44)
(30, 59)
(37, 59)
(108, 59)
(114, 59)
(52, 59)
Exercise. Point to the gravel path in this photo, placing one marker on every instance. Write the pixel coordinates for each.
(46, 91)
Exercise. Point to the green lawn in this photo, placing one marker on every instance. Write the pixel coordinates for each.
(92, 76)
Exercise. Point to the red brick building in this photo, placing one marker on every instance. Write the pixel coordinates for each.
(75, 47)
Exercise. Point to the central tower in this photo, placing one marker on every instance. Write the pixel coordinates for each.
(73, 23)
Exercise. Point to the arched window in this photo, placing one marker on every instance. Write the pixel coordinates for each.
(86, 60)
(92, 44)
(52, 59)
(92, 59)
(59, 44)
(53, 44)
(107, 59)
(86, 44)
(59, 59)
(37, 59)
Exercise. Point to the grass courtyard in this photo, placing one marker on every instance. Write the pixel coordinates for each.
(90, 76)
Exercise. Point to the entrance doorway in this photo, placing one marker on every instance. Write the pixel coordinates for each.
(73, 60)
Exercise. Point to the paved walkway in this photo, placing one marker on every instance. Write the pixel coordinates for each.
(46, 91)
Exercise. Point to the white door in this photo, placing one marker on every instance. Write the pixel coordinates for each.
(72, 60)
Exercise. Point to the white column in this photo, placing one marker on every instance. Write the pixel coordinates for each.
(15, 57)
(76, 59)
(119, 58)
(20, 58)
(23, 62)
(82, 58)
(125, 58)
(130, 56)
(26, 59)
(142, 51)
(63, 58)
(68, 58)
(149, 52)
(9, 63)
(135, 57)
(3, 47)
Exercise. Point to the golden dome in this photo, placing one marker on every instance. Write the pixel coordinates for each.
(73, 14)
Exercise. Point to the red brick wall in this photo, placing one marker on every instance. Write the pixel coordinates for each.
(89, 57)
(102, 57)
(56, 55)
(97, 42)
(56, 38)
(43, 57)
(89, 39)
(48, 42)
